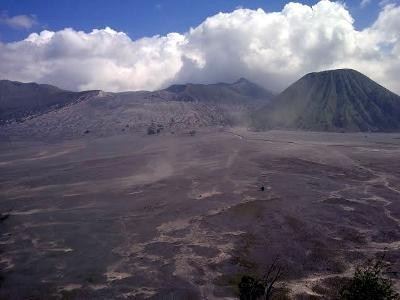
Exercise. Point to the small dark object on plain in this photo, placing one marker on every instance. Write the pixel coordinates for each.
(86, 131)
(4, 217)
(262, 188)
(152, 129)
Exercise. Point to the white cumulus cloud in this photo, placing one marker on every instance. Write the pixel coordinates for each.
(20, 21)
(271, 48)
(104, 59)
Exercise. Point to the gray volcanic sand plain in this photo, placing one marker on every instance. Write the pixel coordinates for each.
(176, 216)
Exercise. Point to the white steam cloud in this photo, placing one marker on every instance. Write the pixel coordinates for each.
(271, 48)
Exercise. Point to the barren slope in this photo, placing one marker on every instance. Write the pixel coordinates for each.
(104, 114)
(19, 100)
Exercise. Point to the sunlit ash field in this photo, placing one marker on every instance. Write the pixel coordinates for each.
(183, 216)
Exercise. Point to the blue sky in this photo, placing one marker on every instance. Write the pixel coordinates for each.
(270, 47)
(140, 18)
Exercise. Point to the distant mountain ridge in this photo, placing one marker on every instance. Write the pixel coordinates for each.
(48, 113)
(335, 100)
(242, 91)
(19, 100)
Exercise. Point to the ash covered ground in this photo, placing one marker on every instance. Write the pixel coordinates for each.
(176, 216)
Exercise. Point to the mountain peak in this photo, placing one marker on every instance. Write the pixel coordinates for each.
(242, 80)
(244, 85)
(19, 99)
(333, 100)
(335, 73)
(176, 88)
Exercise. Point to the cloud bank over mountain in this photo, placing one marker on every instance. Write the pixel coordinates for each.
(270, 48)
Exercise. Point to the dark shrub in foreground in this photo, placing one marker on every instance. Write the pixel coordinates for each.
(254, 288)
(370, 283)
